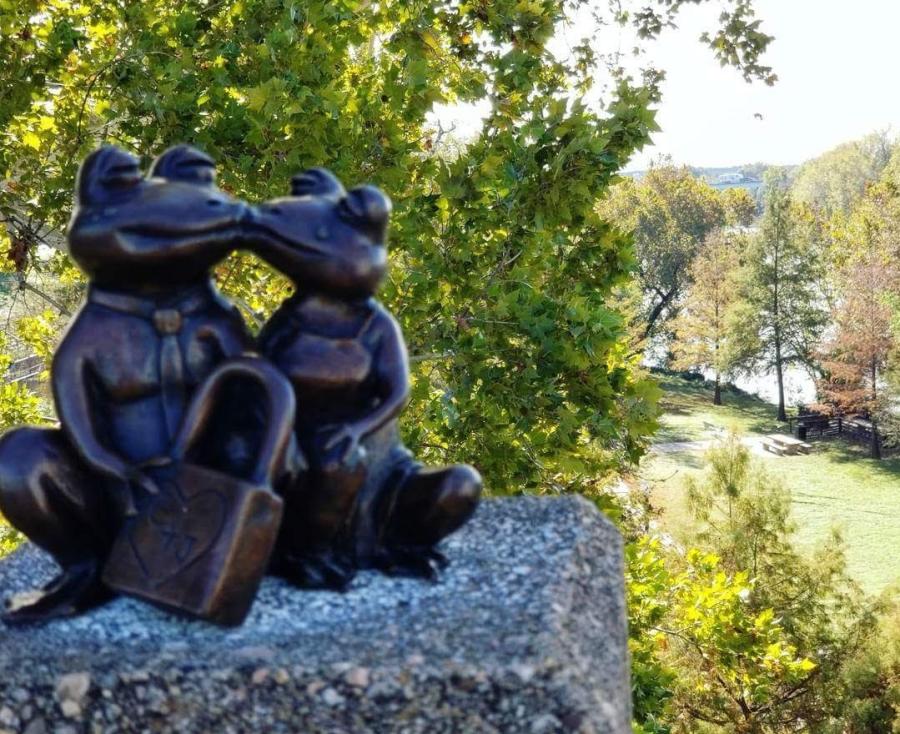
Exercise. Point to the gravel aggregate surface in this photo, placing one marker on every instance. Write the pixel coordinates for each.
(524, 632)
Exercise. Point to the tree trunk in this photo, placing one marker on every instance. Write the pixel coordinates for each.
(664, 300)
(875, 448)
(875, 445)
(874, 368)
(776, 328)
(782, 414)
(717, 395)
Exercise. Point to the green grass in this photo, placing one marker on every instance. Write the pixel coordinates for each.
(835, 485)
(688, 405)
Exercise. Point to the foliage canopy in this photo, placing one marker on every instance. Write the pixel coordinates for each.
(501, 266)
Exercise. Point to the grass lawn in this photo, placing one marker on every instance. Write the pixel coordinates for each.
(835, 485)
(688, 405)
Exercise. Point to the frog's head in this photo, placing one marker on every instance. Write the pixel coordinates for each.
(166, 229)
(324, 238)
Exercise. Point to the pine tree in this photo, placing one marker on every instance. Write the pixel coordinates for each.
(704, 326)
(786, 311)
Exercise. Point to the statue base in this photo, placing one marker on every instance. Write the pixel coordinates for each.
(525, 632)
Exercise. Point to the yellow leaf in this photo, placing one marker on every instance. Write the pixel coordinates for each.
(257, 97)
(31, 140)
(46, 123)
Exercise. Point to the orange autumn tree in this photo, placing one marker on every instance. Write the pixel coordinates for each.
(856, 355)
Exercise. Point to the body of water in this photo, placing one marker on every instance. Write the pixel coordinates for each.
(799, 387)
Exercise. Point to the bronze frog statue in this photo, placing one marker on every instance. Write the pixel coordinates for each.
(180, 448)
(152, 328)
(364, 502)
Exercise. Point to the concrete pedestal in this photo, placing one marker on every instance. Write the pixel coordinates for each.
(525, 632)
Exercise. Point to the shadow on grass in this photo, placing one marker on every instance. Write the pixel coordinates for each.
(685, 398)
(691, 459)
(842, 451)
(769, 425)
(681, 397)
(668, 434)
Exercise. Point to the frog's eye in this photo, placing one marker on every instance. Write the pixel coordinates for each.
(107, 173)
(317, 182)
(122, 176)
(368, 209)
(186, 164)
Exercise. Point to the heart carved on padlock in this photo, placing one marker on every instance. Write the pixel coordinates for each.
(177, 532)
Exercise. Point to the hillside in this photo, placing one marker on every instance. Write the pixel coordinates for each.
(836, 486)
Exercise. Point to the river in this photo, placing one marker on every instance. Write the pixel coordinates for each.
(799, 387)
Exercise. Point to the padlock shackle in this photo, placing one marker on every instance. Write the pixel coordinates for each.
(281, 407)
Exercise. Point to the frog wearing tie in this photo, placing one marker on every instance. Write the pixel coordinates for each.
(151, 329)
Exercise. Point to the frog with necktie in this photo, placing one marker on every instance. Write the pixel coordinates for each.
(151, 330)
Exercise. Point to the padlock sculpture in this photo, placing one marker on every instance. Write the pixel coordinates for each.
(202, 545)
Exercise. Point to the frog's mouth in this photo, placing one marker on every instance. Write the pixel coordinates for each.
(287, 246)
(142, 239)
(256, 231)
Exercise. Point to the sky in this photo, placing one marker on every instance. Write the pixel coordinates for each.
(837, 68)
(836, 61)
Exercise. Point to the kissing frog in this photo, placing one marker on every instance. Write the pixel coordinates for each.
(364, 502)
(152, 328)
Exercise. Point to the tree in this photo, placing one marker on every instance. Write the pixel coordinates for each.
(744, 632)
(870, 681)
(836, 179)
(785, 313)
(704, 325)
(856, 354)
(743, 515)
(670, 212)
(725, 663)
(502, 268)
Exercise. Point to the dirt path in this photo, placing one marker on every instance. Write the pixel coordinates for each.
(754, 443)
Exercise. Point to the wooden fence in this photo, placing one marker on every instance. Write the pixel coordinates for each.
(26, 369)
(814, 425)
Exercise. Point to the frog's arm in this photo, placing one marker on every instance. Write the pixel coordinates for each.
(391, 372)
(275, 330)
(130, 250)
(71, 388)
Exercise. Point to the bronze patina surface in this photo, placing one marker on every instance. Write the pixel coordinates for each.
(364, 502)
(186, 465)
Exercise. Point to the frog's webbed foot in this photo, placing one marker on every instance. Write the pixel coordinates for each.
(326, 570)
(77, 589)
(422, 562)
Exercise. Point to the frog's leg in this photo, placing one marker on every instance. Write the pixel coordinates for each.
(313, 547)
(427, 505)
(48, 495)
